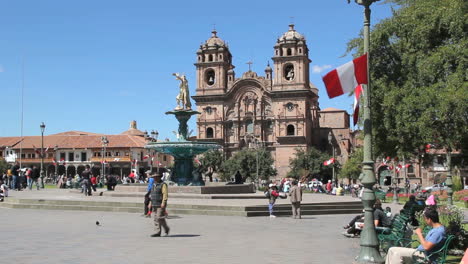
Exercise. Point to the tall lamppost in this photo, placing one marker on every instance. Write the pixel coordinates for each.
(369, 252)
(330, 141)
(56, 165)
(42, 126)
(154, 138)
(104, 143)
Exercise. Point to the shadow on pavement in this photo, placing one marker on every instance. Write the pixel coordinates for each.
(183, 235)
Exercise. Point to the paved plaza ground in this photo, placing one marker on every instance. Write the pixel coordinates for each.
(49, 236)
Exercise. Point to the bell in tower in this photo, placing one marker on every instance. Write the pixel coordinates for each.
(291, 62)
(213, 63)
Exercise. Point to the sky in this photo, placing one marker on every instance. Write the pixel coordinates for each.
(97, 65)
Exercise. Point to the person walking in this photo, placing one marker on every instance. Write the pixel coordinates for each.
(147, 212)
(15, 185)
(86, 177)
(35, 174)
(159, 195)
(296, 197)
(272, 195)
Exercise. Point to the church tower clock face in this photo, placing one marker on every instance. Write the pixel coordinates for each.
(210, 77)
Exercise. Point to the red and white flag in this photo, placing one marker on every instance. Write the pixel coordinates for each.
(357, 95)
(328, 162)
(398, 168)
(345, 78)
(146, 156)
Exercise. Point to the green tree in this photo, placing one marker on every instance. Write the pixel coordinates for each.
(211, 161)
(3, 166)
(353, 167)
(309, 162)
(419, 76)
(245, 161)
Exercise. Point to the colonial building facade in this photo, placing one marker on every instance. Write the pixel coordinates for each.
(279, 110)
(69, 152)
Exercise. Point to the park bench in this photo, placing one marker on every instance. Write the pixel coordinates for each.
(438, 256)
(393, 236)
(381, 196)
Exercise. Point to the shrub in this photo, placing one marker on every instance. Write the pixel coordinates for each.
(440, 195)
(458, 196)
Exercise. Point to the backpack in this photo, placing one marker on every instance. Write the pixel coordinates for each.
(267, 194)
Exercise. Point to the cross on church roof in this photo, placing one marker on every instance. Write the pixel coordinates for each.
(250, 64)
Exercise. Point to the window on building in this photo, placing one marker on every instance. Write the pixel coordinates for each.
(249, 128)
(71, 156)
(126, 153)
(164, 158)
(117, 154)
(411, 169)
(290, 130)
(209, 133)
(62, 155)
(1, 153)
(289, 52)
(23, 156)
(210, 57)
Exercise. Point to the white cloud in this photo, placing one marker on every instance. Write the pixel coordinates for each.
(319, 69)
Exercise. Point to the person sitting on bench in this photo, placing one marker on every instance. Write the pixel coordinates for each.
(433, 241)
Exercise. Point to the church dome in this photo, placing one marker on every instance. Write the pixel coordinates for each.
(214, 40)
(291, 34)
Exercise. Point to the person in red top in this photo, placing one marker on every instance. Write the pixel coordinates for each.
(131, 176)
(94, 183)
(329, 187)
(272, 199)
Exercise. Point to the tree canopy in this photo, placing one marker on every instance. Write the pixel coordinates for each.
(245, 161)
(309, 162)
(353, 167)
(418, 69)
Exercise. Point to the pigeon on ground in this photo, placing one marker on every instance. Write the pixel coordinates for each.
(100, 194)
(97, 223)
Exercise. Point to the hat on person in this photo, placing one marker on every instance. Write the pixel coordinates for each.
(424, 190)
(271, 185)
(148, 172)
(157, 175)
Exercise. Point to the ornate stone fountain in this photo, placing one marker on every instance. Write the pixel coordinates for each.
(183, 150)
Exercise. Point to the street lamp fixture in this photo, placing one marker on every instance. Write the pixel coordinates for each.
(104, 142)
(330, 141)
(42, 126)
(369, 252)
(56, 165)
(154, 138)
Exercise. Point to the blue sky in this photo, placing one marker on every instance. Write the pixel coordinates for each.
(96, 65)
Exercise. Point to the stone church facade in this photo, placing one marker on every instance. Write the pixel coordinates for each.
(278, 110)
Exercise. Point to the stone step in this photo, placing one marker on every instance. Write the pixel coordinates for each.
(196, 209)
(305, 212)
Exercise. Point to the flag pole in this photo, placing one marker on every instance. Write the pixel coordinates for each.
(369, 252)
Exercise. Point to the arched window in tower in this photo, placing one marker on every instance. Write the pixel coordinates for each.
(220, 56)
(276, 52)
(210, 76)
(249, 128)
(290, 130)
(210, 57)
(300, 51)
(281, 52)
(289, 72)
(289, 52)
(209, 133)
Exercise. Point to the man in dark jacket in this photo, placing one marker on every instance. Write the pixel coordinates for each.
(35, 174)
(86, 176)
(159, 195)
